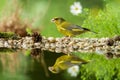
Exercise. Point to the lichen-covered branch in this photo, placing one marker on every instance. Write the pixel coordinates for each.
(66, 44)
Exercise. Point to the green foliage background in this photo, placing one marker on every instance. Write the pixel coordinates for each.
(102, 16)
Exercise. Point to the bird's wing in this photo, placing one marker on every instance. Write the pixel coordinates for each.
(65, 65)
(73, 27)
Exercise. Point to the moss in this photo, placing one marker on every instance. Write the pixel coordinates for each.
(3, 49)
(8, 35)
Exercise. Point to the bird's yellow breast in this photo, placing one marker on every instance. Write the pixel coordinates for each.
(61, 28)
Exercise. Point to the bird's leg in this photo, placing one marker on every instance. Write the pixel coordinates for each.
(68, 37)
(64, 37)
(69, 54)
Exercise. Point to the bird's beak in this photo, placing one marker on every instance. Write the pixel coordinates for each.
(52, 20)
(53, 70)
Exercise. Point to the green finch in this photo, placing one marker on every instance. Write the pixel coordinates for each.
(64, 62)
(69, 29)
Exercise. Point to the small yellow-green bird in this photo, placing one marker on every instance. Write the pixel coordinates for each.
(64, 62)
(69, 29)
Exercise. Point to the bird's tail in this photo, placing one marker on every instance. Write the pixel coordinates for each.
(85, 62)
(93, 32)
(90, 30)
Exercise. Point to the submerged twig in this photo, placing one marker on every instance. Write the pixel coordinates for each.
(39, 56)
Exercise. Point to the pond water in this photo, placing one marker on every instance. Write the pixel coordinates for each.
(18, 65)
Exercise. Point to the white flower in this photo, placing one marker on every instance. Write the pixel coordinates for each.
(76, 8)
(73, 71)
